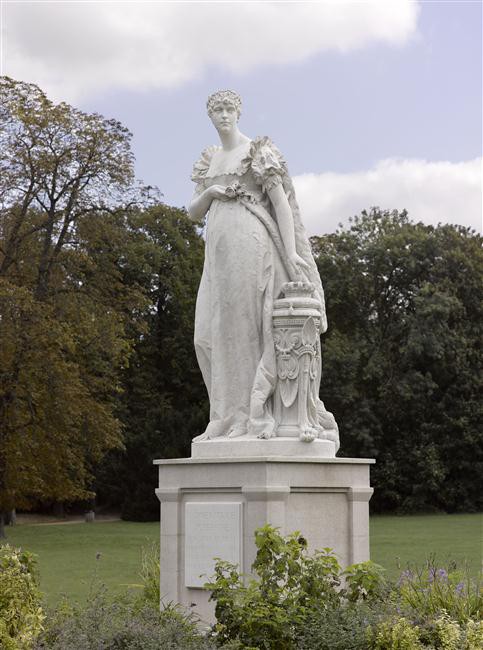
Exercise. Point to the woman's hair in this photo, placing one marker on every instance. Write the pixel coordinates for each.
(224, 96)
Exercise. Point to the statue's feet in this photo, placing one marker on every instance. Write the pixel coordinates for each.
(201, 437)
(333, 435)
(213, 430)
(308, 434)
(237, 431)
(267, 433)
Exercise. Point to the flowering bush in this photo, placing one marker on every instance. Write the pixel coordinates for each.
(21, 615)
(293, 599)
(431, 608)
(298, 601)
(432, 590)
(305, 602)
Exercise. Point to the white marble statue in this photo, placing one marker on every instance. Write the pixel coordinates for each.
(255, 245)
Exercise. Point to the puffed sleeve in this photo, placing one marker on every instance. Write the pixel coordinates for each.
(267, 163)
(201, 167)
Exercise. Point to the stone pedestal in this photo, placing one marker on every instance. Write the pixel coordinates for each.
(211, 506)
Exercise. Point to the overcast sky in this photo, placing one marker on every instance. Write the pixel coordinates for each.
(372, 103)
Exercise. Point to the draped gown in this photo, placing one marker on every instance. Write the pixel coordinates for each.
(243, 274)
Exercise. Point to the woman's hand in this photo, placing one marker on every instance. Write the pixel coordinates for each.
(200, 204)
(217, 192)
(298, 263)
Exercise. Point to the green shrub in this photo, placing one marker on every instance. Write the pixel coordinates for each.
(150, 574)
(442, 633)
(396, 634)
(123, 624)
(441, 607)
(21, 615)
(432, 591)
(292, 591)
(342, 627)
(150, 577)
(473, 635)
(365, 581)
(297, 602)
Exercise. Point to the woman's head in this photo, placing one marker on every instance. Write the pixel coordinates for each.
(224, 97)
(224, 110)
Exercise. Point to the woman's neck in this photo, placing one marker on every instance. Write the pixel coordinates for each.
(232, 139)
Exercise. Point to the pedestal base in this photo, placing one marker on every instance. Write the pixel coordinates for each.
(256, 448)
(211, 507)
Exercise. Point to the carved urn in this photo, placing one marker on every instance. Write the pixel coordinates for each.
(296, 328)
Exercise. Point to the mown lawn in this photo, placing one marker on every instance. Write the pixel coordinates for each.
(73, 556)
(397, 541)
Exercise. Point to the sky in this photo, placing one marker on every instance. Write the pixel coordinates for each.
(375, 103)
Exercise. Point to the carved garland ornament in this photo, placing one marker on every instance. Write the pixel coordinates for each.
(297, 350)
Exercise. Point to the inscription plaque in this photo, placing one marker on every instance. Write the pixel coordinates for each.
(211, 530)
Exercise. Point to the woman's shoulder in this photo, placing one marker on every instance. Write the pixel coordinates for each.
(201, 166)
(264, 143)
(266, 158)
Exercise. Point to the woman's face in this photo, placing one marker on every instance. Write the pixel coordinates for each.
(224, 117)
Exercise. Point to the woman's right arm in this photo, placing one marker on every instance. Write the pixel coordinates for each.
(201, 203)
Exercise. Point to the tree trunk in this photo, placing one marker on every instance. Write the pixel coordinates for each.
(10, 517)
(2, 525)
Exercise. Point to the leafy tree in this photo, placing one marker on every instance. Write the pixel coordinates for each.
(61, 163)
(164, 403)
(67, 305)
(402, 356)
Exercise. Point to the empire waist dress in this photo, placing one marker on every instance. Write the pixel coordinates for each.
(242, 276)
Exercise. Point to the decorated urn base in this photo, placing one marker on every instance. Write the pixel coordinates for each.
(296, 405)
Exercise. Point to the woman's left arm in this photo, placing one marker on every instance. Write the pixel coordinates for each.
(285, 222)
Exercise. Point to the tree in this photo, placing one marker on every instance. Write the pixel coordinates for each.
(402, 362)
(66, 310)
(164, 403)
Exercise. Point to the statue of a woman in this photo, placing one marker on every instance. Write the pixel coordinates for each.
(255, 244)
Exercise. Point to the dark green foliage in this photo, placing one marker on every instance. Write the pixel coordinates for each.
(297, 602)
(98, 286)
(365, 581)
(67, 310)
(21, 615)
(292, 593)
(402, 357)
(164, 402)
(337, 628)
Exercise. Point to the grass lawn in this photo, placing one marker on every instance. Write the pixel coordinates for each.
(73, 556)
(68, 565)
(397, 541)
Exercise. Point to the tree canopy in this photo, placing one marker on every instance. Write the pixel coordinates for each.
(67, 303)
(164, 402)
(98, 284)
(403, 356)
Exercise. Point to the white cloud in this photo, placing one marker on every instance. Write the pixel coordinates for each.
(74, 49)
(431, 192)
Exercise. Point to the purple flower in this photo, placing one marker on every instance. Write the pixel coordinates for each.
(459, 588)
(431, 574)
(441, 573)
(405, 576)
